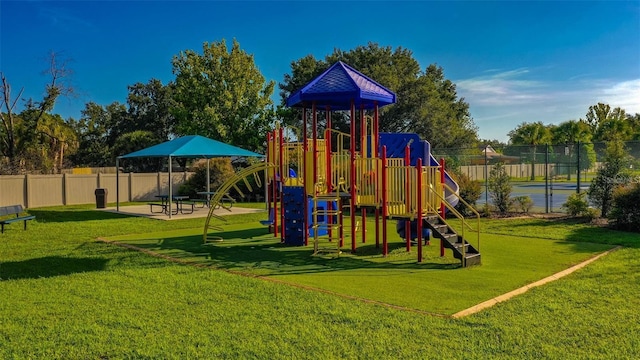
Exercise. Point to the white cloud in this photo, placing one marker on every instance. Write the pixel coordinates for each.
(625, 95)
(501, 88)
(501, 99)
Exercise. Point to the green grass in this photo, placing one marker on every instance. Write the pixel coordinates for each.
(508, 263)
(64, 295)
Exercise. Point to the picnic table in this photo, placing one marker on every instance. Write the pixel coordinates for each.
(181, 201)
(226, 201)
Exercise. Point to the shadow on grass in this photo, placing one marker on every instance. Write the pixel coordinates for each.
(582, 232)
(49, 266)
(66, 215)
(255, 250)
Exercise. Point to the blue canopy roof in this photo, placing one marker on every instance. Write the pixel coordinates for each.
(338, 86)
(192, 146)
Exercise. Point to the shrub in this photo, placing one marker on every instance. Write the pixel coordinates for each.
(523, 203)
(613, 174)
(500, 188)
(576, 204)
(220, 170)
(470, 191)
(625, 212)
(485, 211)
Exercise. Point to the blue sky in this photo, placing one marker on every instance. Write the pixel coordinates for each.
(512, 61)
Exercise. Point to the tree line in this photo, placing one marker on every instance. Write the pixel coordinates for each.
(220, 93)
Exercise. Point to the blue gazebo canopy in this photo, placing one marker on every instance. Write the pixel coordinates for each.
(192, 146)
(338, 87)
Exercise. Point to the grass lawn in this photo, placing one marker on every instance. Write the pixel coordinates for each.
(66, 295)
(438, 285)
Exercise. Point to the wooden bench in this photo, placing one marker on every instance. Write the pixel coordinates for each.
(14, 210)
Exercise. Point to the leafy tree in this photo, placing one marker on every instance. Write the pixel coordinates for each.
(55, 139)
(533, 135)
(634, 124)
(133, 141)
(427, 102)
(222, 95)
(500, 188)
(12, 146)
(150, 107)
(614, 173)
(93, 129)
(571, 133)
(608, 124)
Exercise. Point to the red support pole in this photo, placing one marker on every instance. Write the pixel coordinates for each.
(377, 228)
(305, 206)
(267, 183)
(364, 227)
(327, 139)
(407, 194)
(385, 210)
(282, 216)
(353, 177)
(363, 132)
(274, 187)
(419, 206)
(376, 152)
(314, 136)
(363, 155)
(442, 208)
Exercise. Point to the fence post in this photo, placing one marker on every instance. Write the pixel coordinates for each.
(65, 189)
(546, 178)
(27, 202)
(486, 178)
(578, 163)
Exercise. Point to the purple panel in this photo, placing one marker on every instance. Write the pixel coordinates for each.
(338, 87)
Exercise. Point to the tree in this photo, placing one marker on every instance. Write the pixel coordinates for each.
(614, 173)
(500, 188)
(134, 141)
(52, 140)
(59, 74)
(95, 134)
(571, 133)
(427, 102)
(150, 107)
(222, 95)
(533, 135)
(608, 124)
(634, 124)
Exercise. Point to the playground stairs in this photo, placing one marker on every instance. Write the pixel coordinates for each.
(462, 249)
(327, 224)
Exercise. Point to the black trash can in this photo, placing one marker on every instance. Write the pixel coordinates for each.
(101, 198)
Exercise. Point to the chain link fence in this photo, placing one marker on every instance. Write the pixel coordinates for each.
(548, 174)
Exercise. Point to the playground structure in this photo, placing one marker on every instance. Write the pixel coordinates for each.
(311, 183)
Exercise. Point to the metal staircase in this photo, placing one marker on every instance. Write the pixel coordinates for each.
(462, 249)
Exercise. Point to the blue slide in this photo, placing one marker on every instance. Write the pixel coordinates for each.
(420, 149)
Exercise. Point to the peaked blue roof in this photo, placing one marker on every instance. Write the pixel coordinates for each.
(338, 86)
(192, 146)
